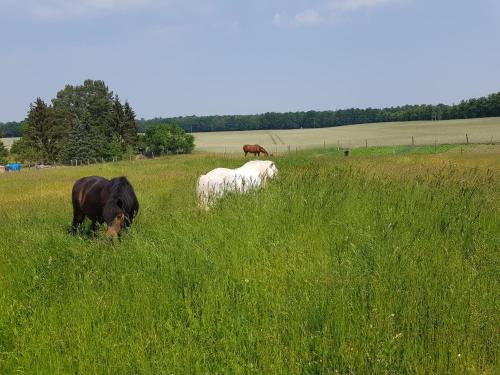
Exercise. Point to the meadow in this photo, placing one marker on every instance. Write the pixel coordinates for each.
(383, 262)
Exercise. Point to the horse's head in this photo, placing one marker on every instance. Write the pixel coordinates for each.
(272, 170)
(115, 217)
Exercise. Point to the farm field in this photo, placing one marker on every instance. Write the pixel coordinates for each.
(482, 130)
(382, 134)
(383, 262)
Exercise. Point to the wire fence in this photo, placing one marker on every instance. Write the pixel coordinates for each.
(348, 144)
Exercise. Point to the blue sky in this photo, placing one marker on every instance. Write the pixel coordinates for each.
(184, 57)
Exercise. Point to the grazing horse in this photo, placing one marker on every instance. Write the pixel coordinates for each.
(214, 184)
(267, 168)
(101, 200)
(254, 149)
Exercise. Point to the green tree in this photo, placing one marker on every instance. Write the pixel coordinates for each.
(40, 133)
(130, 129)
(116, 120)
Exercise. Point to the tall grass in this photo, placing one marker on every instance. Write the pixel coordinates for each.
(326, 270)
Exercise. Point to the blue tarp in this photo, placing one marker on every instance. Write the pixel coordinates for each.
(14, 166)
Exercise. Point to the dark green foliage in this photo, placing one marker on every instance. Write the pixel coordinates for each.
(482, 107)
(41, 131)
(162, 139)
(83, 143)
(3, 153)
(130, 128)
(84, 122)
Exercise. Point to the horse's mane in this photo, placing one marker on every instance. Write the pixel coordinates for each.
(121, 189)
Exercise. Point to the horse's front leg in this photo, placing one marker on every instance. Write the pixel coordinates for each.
(94, 227)
(77, 221)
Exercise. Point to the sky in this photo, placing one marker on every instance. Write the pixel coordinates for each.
(205, 57)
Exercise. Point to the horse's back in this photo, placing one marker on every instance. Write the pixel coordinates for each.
(251, 148)
(87, 192)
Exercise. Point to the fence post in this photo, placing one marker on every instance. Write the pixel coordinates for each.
(324, 145)
(412, 141)
(467, 138)
(435, 145)
(288, 148)
(366, 143)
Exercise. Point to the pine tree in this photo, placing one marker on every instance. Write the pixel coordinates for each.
(39, 132)
(130, 129)
(116, 118)
(83, 140)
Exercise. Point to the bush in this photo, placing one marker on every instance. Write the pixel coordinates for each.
(162, 139)
(22, 151)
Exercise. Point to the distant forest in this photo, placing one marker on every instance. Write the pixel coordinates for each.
(473, 108)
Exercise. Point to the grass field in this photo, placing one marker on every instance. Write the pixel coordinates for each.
(382, 134)
(383, 262)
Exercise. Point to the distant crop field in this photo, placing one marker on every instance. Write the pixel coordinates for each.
(380, 134)
(384, 262)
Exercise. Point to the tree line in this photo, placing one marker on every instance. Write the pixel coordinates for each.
(10, 129)
(488, 106)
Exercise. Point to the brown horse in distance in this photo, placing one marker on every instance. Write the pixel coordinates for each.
(101, 200)
(254, 149)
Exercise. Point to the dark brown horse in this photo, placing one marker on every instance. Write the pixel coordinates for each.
(101, 200)
(254, 149)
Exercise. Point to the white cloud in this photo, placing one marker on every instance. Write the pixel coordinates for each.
(308, 17)
(277, 19)
(353, 5)
(326, 11)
